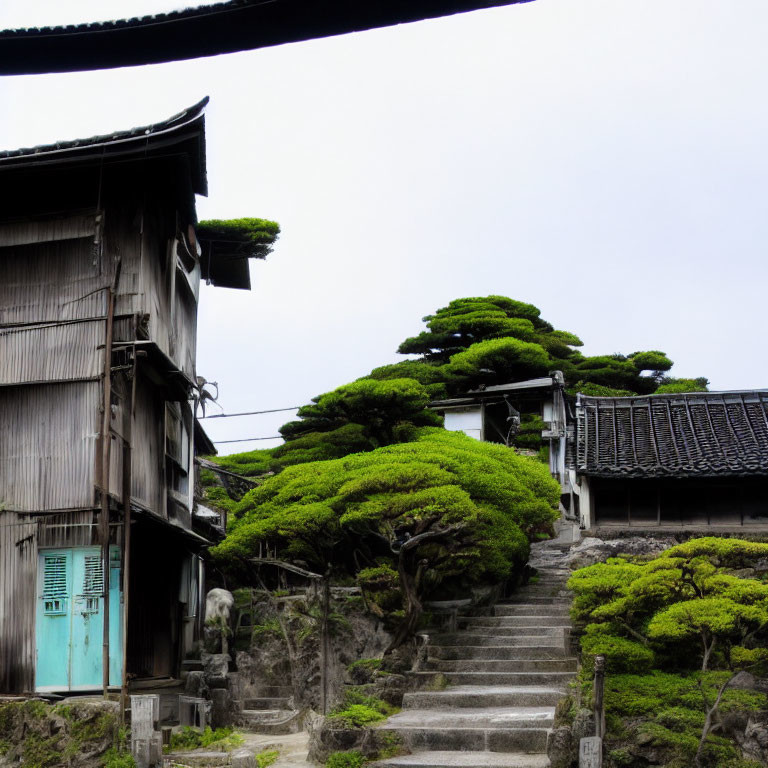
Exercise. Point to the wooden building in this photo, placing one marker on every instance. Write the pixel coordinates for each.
(697, 460)
(99, 280)
(494, 414)
(670, 461)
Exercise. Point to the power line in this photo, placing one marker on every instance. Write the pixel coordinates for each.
(249, 413)
(247, 439)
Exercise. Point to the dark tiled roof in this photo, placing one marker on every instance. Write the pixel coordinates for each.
(700, 434)
(209, 30)
(188, 123)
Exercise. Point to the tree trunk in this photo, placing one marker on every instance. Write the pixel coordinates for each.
(413, 606)
(711, 712)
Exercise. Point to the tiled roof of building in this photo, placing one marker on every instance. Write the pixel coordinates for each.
(207, 30)
(188, 123)
(683, 435)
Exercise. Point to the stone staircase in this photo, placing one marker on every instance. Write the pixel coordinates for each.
(505, 672)
(272, 712)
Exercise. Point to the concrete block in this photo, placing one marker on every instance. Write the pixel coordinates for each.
(194, 712)
(591, 752)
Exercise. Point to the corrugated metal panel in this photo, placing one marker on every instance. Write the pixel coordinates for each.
(51, 353)
(148, 454)
(156, 288)
(48, 438)
(116, 467)
(26, 232)
(70, 529)
(18, 569)
(185, 331)
(51, 281)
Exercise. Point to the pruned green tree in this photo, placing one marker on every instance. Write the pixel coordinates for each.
(384, 409)
(440, 508)
(481, 340)
(690, 605)
(249, 237)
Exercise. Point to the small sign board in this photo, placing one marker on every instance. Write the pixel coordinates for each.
(591, 752)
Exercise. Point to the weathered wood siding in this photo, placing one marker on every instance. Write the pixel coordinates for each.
(148, 454)
(185, 325)
(39, 353)
(48, 438)
(48, 282)
(18, 574)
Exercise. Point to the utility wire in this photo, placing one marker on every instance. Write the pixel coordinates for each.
(247, 439)
(249, 413)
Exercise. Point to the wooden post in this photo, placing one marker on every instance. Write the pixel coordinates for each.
(598, 693)
(106, 444)
(324, 643)
(127, 459)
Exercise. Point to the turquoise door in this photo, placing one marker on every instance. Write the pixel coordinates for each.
(70, 620)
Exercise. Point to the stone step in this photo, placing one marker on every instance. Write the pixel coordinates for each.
(549, 679)
(461, 696)
(550, 640)
(481, 717)
(274, 722)
(274, 691)
(522, 600)
(475, 739)
(464, 760)
(535, 609)
(503, 665)
(507, 631)
(515, 621)
(527, 592)
(282, 703)
(496, 652)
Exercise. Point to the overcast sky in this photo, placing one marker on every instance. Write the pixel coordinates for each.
(603, 160)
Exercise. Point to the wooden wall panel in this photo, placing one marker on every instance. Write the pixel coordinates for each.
(48, 439)
(18, 576)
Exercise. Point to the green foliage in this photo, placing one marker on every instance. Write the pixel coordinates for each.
(668, 710)
(678, 604)
(529, 434)
(724, 553)
(217, 497)
(355, 716)
(596, 390)
(360, 710)
(321, 446)
(433, 377)
(670, 386)
(266, 758)
(249, 463)
(117, 758)
(353, 759)
(478, 340)
(498, 360)
(379, 406)
(714, 616)
(486, 496)
(252, 238)
(221, 739)
(621, 654)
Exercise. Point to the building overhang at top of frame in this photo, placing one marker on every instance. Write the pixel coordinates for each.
(184, 133)
(706, 434)
(209, 30)
(497, 392)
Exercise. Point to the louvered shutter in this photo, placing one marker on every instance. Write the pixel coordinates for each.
(55, 584)
(93, 583)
